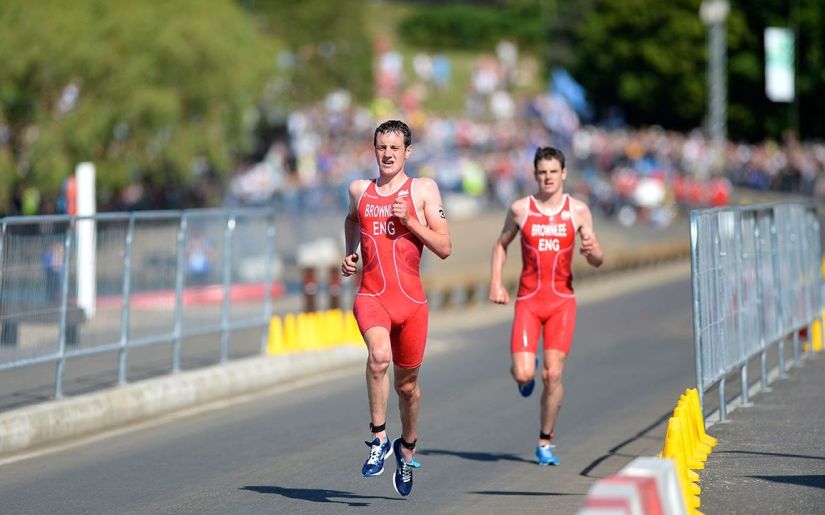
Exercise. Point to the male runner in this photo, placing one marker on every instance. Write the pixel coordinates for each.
(546, 305)
(392, 218)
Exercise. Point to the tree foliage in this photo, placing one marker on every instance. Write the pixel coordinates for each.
(328, 46)
(650, 58)
(469, 26)
(145, 90)
(646, 56)
(752, 114)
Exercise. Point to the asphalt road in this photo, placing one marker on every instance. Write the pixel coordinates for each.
(297, 448)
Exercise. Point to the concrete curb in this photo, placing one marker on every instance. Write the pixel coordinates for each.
(55, 421)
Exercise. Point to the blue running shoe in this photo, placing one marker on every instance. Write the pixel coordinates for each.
(527, 388)
(402, 480)
(379, 451)
(544, 453)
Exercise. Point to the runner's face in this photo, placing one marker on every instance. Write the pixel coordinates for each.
(550, 176)
(390, 153)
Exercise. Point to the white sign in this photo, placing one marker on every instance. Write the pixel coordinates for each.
(779, 64)
(86, 238)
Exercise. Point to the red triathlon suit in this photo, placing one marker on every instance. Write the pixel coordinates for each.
(391, 293)
(545, 294)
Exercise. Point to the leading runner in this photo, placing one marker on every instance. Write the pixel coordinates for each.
(393, 218)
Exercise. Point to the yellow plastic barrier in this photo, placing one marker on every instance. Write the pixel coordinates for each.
(816, 337)
(688, 445)
(275, 339)
(312, 331)
(698, 419)
(675, 450)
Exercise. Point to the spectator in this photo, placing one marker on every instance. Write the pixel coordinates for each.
(200, 254)
(53, 271)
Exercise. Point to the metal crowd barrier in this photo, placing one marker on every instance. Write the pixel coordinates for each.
(73, 287)
(756, 282)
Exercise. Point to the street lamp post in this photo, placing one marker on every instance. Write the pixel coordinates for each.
(714, 14)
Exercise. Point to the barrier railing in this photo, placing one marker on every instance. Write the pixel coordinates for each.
(756, 282)
(73, 287)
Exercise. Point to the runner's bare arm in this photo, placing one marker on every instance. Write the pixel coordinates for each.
(498, 293)
(589, 245)
(352, 231)
(435, 232)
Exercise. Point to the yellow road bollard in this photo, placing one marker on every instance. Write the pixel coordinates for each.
(275, 340)
(696, 451)
(336, 327)
(674, 449)
(693, 397)
(816, 336)
(290, 332)
(691, 459)
(353, 334)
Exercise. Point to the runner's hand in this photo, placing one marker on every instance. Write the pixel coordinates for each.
(348, 267)
(401, 210)
(499, 295)
(588, 242)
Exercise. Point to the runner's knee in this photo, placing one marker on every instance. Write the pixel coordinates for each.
(407, 390)
(379, 361)
(522, 376)
(551, 375)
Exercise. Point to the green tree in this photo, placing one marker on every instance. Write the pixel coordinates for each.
(647, 57)
(146, 90)
(650, 58)
(752, 115)
(478, 26)
(328, 46)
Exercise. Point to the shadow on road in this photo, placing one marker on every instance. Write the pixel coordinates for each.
(522, 494)
(617, 450)
(815, 480)
(318, 495)
(777, 454)
(475, 456)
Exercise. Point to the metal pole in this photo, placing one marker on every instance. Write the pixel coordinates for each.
(760, 294)
(793, 106)
(797, 357)
(64, 302)
(697, 313)
(177, 330)
(714, 13)
(797, 244)
(268, 279)
(723, 401)
(717, 82)
(738, 257)
(126, 306)
(227, 286)
(779, 287)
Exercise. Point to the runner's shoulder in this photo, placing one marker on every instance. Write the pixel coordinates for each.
(358, 187)
(520, 206)
(578, 206)
(425, 184)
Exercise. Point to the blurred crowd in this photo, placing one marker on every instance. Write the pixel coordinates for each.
(486, 153)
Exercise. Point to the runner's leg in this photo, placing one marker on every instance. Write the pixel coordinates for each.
(551, 397)
(378, 387)
(409, 398)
